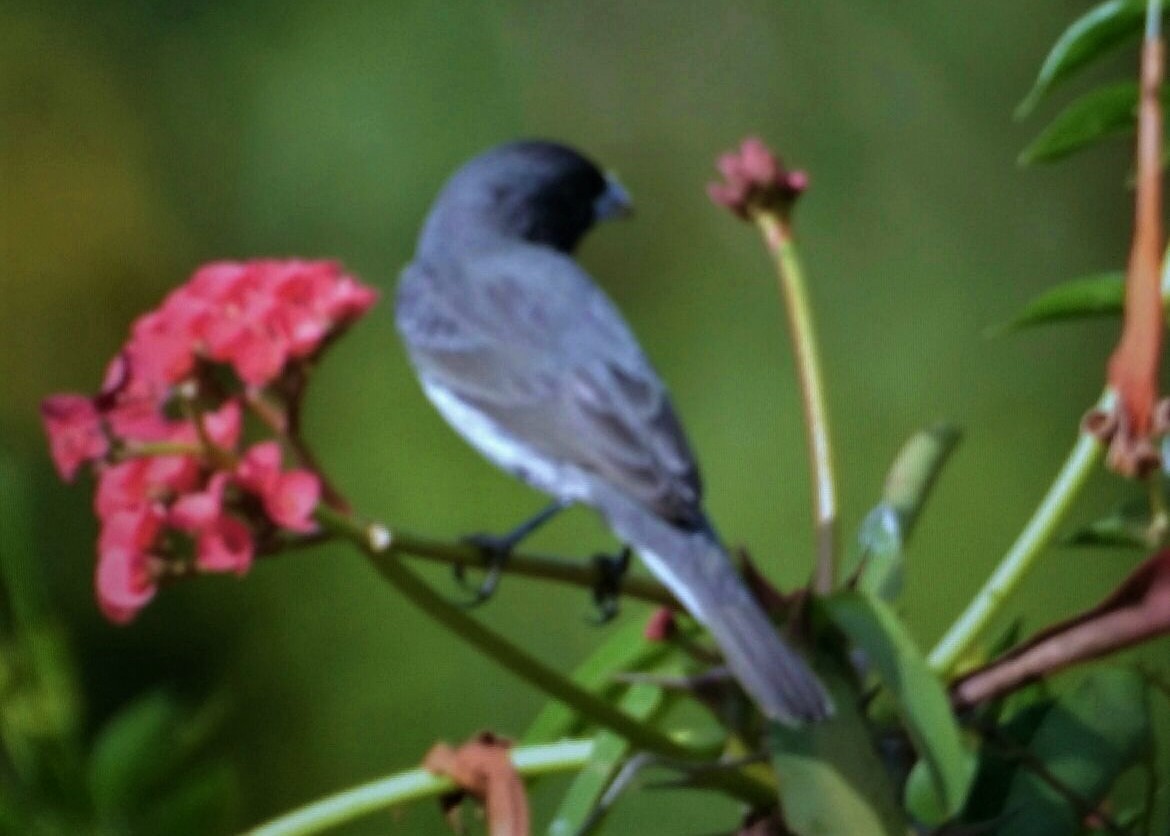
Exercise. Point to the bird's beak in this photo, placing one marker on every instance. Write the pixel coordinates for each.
(614, 202)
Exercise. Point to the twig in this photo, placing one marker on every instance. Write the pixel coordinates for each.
(584, 574)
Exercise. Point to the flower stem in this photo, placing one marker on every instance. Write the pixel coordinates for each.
(778, 237)
(378, 544)
(1036, 535)
(148, 449)
(413, 785)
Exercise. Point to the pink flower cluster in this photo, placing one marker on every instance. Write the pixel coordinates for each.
(176, 495)
(754, 178)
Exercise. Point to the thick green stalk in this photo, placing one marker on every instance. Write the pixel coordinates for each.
(808, 370)
(413, 785)
(1022, 555)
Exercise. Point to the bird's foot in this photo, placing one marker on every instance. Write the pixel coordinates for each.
(611, 570)
(495, 549)
(494, 552)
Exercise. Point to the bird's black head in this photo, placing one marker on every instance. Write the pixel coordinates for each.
(538, 191)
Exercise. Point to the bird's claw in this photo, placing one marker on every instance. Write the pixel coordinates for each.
(493, 552)
(611, 569)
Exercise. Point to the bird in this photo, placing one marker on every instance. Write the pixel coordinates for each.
(529, 360)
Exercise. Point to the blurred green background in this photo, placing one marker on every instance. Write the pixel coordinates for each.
(142, 137)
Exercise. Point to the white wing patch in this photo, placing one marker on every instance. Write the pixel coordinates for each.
(564, 482)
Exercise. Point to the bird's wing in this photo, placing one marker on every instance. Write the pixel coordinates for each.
(529, 341)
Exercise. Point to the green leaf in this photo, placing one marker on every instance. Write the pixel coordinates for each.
(832, 782)
(1105, 112)
(1159, 814)
(921, 795)
(920, 697)
(997, 766)
(625, 650)
(58, 693)
(886, 529)
(1102, 294)
(130, 752)
(1126, 525)
(1094, 733)
(577, 807)
(44, 704)
(1091, 35)
(880, 541)
(143, 748)
(915, 470)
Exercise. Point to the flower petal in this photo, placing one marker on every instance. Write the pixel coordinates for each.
(226, 546)
(292, 500)
(74, 427)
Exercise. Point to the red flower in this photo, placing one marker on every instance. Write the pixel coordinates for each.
(124, 580)
(289, 497)
(137, 482)
(224, 425)
(225, 546)
(267, 312)
(192, 512)
(223, 543)
(161, 347)
(75, 433)
(183, 507)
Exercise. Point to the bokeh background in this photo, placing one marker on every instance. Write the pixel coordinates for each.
(143, 137)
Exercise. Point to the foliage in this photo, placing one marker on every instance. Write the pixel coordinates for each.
(148, 768)
(908, 746)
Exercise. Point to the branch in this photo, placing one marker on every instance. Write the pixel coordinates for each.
(378, 544)
(1137, 611)
(542, 567)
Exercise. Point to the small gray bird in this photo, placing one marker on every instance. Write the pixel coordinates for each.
(533, 365)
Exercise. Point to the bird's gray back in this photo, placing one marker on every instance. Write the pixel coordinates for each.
(525, 339)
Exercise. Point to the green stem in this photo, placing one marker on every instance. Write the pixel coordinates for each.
(1037, 534)
(147, 449)
(413, 785)
(377, 542)
(778, 237)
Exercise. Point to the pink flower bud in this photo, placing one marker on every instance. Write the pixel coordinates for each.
(755, 180)
(661, 626)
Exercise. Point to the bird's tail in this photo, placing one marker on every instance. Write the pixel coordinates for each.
(695, 567)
